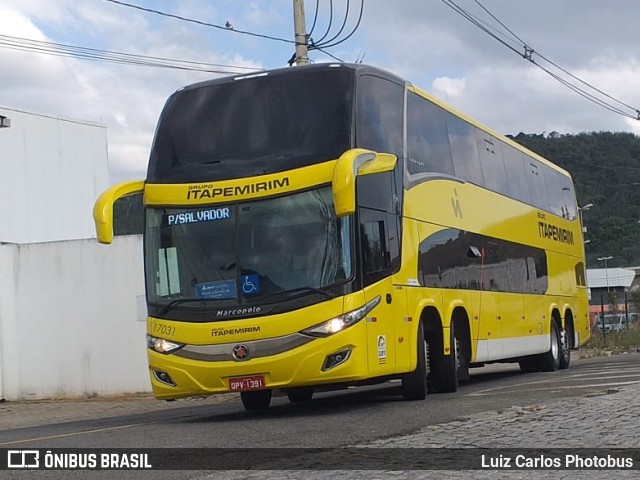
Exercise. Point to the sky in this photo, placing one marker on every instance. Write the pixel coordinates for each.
(424, 41)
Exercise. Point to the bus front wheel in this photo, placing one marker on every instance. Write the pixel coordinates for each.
(256, 399)
(300, 394)
(414, 384)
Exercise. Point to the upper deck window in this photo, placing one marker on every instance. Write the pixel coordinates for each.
(253, 126)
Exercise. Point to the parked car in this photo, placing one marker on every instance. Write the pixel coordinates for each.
(617, 322)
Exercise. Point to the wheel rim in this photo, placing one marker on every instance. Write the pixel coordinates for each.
(565, 344)
(554, 343)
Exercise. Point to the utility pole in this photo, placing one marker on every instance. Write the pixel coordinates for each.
(299, 24)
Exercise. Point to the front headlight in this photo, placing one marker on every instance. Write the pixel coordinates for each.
(161, 345)
(345, 320)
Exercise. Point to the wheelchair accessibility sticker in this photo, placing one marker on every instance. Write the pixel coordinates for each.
(250, 284)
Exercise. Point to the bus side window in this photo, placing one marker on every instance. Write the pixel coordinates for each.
(464, 150)
(537, 184)
(560, 191)
(379, 115)
(379, 244)
(517, 175)
(492, 163)
(428, 149)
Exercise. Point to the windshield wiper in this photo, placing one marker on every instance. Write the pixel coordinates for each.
(178, 301)
(296, 292)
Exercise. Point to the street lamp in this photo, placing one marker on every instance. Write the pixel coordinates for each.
(606, 276)
(606, 271)
(584, 208)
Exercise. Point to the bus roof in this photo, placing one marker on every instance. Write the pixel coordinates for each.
(300, 70)
(361, 69)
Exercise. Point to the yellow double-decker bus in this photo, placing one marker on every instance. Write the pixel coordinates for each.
(330, 225)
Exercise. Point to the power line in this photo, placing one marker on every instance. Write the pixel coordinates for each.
(328, 43)
(315, 18)
(344, 23)
(328, 54)
(500, 23)
(199, 22)
(529, 55)
(85, 53)
(330, 21)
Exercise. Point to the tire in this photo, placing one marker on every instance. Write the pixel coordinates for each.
(414, 384)
(463, 362)
(529, 365)
(444, 372)
(256, 399)
(550, 361)
(300, 394)
(566, 340)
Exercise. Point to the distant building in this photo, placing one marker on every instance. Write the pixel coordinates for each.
(72, 311)
(603, 282)
(53, 169)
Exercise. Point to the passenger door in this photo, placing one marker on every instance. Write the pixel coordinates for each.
(379, 257)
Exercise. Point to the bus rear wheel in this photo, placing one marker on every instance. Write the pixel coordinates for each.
(414, 384)
(444, 370)
(256, 399)
(566, 341)
(550, 361)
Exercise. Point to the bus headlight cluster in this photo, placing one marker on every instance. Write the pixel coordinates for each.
(161, 345)
(345, 320)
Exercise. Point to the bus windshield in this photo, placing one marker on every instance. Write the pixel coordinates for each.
(243, 254)
(253, 126)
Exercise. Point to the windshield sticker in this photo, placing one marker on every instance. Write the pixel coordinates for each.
(250, 284)
(198, 216)
(219, 290)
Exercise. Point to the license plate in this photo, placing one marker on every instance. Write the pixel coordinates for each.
(240, 384)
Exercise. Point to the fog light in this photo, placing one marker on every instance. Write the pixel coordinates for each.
(336, 359)
(164, 377)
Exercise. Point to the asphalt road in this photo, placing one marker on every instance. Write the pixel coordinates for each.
(333, 419)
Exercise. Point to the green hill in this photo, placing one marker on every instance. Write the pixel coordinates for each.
(606, 170)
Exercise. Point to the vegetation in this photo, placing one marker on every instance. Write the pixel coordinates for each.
(606, 170)
(615, 342)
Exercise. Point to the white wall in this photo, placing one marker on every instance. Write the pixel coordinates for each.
(51, 172)
(69, 321)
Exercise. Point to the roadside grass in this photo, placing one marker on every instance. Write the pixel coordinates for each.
(611, 343)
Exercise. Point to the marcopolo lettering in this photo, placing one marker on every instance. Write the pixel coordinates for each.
(238, 311)
(555, 233)
(197, 192)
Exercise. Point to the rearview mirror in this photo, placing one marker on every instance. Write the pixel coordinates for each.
(103, 208)
(352, 163)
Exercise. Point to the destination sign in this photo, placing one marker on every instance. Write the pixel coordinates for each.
(198, 216)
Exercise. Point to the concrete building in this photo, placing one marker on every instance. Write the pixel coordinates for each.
(52, 171)
(71, 311)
